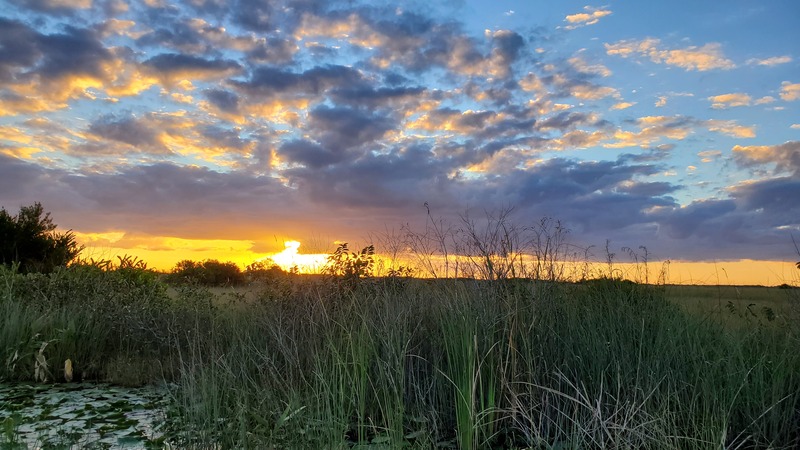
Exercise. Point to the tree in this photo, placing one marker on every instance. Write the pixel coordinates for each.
(30, 239)
(209, 272)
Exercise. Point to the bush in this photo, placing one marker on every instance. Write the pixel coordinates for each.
(30, 240)
(209, 273)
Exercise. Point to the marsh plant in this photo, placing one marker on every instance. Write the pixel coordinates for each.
(509, 357)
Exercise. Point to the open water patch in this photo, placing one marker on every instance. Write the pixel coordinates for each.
(82, 416)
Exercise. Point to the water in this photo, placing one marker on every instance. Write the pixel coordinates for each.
(80, 416)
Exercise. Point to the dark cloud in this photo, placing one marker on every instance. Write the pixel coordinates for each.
(226, 101)
(255, 14)
(128, 130)
(345, 128)
(178, 64)
(507, 46)
(338, 132)
(17, 178)
(18, 48)
(224, 138)
(372, 97)
(403, 177)
(310, 154)
(169, 200)
(274, 51)
(563, 180)
(54, 7)
(270, 81)
(778, 198)
(74, 51)
(178, 35)
(698, 216)
(565, 121)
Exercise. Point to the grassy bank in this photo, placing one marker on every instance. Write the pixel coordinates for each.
(395, 362)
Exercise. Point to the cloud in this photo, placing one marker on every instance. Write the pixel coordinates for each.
(50, 70)
(255, 117)
(622, 105)
(775, 199)
(345, 128)
(56, 7)
(652, 129)
(128, 130)
(789, 91)
(171, 68)
(226, 101)
(785, 157)
(310, 154)
(707, 57)
(506, 48)
(725, 101)
(584, 67)
(590, 17)
(695, 218)
(708, 156)
(269, 82)
(772, 61)
(730, 128)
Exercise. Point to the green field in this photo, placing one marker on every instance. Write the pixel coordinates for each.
(390, 363)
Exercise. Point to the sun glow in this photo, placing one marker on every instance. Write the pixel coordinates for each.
(291, 258)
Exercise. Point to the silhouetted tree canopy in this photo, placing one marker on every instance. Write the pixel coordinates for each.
(209, 272)
(31, 240)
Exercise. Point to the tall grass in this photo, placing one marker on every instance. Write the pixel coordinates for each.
(397, 363)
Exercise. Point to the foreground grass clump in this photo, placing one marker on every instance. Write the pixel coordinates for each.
(469, 364)
(304, 362)
(118, 325)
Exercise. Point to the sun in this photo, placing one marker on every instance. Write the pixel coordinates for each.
(290, 258)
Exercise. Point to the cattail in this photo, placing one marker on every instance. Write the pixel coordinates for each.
(68, 370)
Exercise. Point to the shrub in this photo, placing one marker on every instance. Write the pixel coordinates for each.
(209, 272)
(30, 240)
(263, 271)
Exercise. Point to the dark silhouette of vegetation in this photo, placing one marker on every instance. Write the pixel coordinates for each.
(31, 241)
(348, 268)
(266, 270)
(209, 273)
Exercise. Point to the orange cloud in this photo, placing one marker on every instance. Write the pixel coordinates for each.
(590, 17)
(789, 91)
(622, 105)
(731, 128)
(707, 57)
(725, 101)
(784, 156)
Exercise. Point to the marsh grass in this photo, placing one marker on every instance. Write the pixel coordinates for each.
(397, 363)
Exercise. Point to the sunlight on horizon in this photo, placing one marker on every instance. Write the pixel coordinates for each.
(290, 258)
(162, 253)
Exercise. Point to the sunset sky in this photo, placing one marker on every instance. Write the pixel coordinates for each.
(220, 129)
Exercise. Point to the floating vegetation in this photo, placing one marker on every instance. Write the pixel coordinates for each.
(95, 416)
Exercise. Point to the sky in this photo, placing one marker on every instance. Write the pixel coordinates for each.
(220, 129)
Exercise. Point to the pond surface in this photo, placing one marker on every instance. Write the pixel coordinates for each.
(81, 416)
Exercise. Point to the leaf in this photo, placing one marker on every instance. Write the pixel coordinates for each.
(415, 434)
(381, 439)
